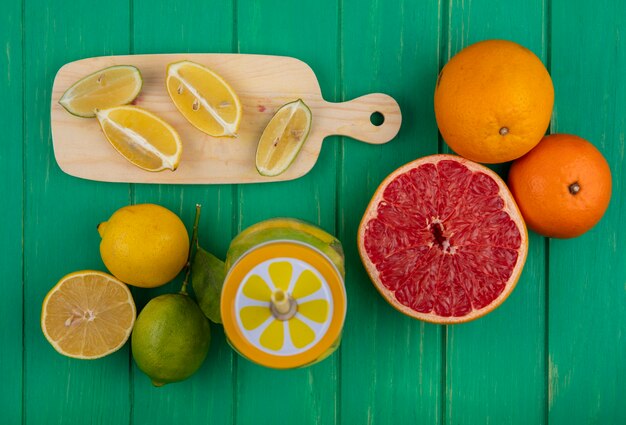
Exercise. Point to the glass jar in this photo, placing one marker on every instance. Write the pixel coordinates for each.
(283, 303)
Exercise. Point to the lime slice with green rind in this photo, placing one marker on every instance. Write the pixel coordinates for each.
(283, 138)
(109, 87)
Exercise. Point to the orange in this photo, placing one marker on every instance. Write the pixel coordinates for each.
(562, 187)
(493, 101)
(88, 314)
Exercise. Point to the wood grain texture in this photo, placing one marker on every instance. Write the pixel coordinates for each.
(263, 83)
(11, 225)
(207, 397)
(390, 364)
(307, 31)
(587, 275)
(496, 366)
(61, 215)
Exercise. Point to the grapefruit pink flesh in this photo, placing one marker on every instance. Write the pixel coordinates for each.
(443, 240)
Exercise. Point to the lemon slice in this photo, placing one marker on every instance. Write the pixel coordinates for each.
(283, 138)
(204, 98)
(106, 88)
(141, 137)
(88, 314)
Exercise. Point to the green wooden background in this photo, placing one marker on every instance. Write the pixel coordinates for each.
(554, 353)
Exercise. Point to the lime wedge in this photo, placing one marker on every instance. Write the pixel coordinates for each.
(283, 138)
(106, 88)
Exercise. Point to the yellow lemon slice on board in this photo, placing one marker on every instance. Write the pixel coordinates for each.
(283, 138)
(106, 88)
(88, 314)
(204, 98)
(141, 137)
(283, 305)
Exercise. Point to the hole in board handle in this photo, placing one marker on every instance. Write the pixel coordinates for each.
(377, 119)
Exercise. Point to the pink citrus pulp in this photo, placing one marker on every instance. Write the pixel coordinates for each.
(443, 240)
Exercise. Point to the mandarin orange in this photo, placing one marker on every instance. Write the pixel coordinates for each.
(562, 186)
(493, 101)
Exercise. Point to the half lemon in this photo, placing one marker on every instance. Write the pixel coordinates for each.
(88, 314)
(106, 88)
(204, 98)
(141, 137)
(283, 138)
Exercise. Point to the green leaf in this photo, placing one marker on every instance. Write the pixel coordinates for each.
(207, 278)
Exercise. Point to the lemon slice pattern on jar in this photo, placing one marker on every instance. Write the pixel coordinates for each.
(305, 295)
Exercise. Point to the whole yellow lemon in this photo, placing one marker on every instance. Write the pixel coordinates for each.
(144, 245)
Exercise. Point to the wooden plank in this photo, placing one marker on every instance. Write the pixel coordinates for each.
(60, 218)
(307, 31)
(263, 84)
(587, 321)
(11, 225)
(495, 367)
(390, 364)
(206, 397)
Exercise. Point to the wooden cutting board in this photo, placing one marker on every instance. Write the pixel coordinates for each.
(263, 83)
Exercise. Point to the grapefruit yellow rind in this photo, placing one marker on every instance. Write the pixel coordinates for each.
(509, 206)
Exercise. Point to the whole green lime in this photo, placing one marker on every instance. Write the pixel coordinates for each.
(170, 339)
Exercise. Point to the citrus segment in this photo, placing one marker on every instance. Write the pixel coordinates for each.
(443, 240)
(283, 138)
(88, 314)
(106, 88)
(204, 98)
(141, 137)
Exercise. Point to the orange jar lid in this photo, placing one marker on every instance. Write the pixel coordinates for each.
(283, 304)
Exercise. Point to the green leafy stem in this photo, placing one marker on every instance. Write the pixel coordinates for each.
(207, 275)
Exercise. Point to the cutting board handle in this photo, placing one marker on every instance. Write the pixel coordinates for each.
(374, 118)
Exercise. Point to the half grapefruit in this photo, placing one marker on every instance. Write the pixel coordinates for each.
(443, 240)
